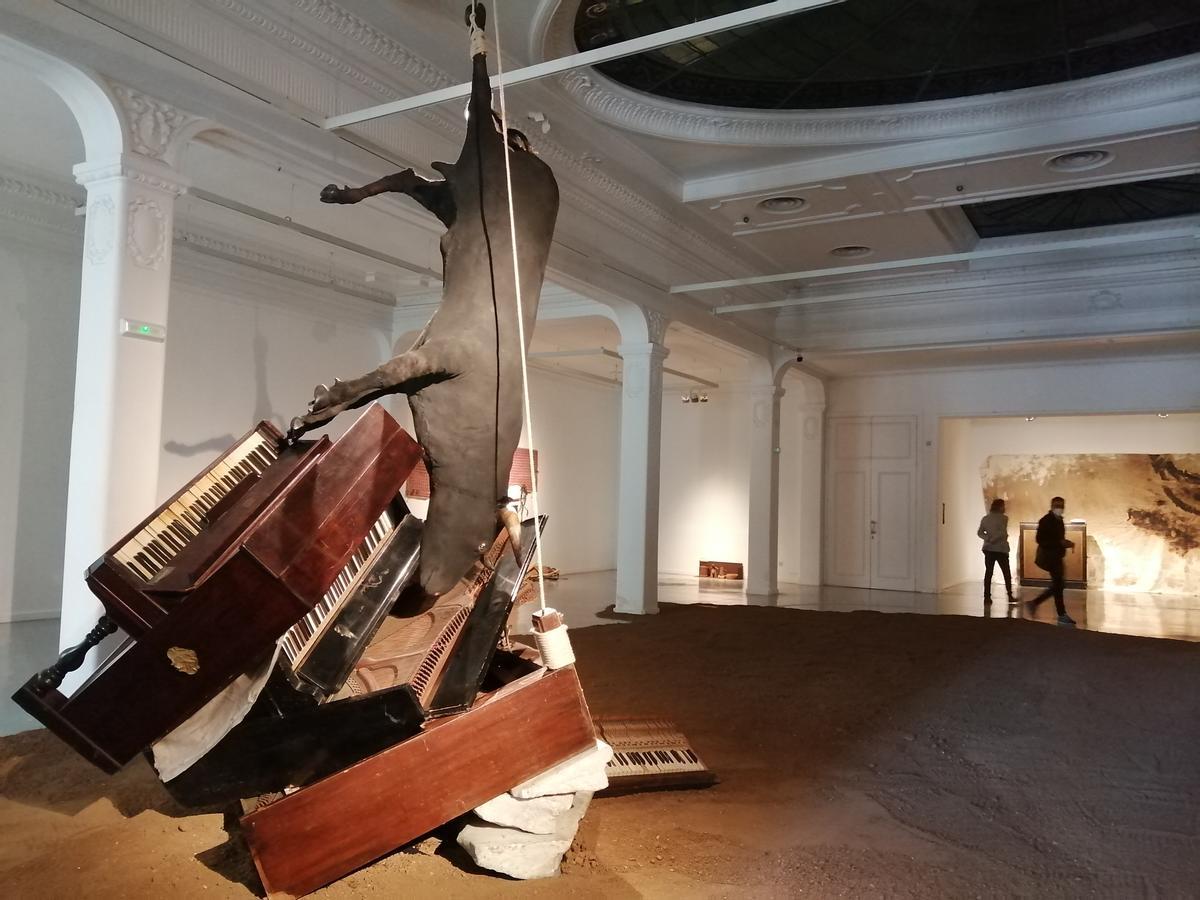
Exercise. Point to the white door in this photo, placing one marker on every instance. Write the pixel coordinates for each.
(871, 514)
(893, 502)
(848, 503)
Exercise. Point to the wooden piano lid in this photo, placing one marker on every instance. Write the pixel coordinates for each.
(231, 622)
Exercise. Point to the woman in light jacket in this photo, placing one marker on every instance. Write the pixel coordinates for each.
(993, 528)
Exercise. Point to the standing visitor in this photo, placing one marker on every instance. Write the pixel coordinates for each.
(1052, 546)
(993, 529)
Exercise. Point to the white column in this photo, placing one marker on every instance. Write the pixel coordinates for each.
(762, 556)
(116, 431)
(641, 450)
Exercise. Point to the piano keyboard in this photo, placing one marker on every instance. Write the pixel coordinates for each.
(158, 542)
(650, 754)
(299, 640)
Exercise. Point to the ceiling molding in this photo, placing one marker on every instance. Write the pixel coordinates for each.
(644, 114)
(220, 246)
(377, 66)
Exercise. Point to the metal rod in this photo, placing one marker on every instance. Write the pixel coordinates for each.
(1150, 268)
(763, 13)
(264, 216)
(989, 253)
(604, 351)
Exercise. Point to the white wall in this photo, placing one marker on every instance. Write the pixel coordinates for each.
(39, 311)
(959, 508)
(1165, 383)
(243, 346)
(704, 491)
(961, 485)
(704, 499)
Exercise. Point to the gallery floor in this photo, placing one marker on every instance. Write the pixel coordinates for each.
(860, 754)
(587, 599)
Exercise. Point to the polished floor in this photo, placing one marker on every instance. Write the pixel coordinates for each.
(587, 599)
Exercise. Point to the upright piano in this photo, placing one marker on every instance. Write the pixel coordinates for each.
(265, 543)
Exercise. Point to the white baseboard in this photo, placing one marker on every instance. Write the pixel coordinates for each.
(30, 615)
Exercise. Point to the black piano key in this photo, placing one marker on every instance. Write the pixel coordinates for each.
(166, 537)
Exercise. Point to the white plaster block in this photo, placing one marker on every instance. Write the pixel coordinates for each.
(583, 772)
(520, 854)
(537, 815)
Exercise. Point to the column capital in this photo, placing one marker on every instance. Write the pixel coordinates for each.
(147, 172)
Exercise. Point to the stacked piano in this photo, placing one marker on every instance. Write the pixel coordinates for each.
(384, 715)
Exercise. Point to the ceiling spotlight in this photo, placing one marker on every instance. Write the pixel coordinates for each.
(1079, 160)
(1030, 418)
(780, 206)
(850, 251)
(1163, 415)
(686, 399)
(704, 398)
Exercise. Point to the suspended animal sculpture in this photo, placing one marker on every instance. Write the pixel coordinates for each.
(463, 374)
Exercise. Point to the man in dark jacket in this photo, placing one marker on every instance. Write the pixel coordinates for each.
(1052, 546)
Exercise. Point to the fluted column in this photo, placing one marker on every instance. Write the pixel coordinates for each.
(641, 450)
(762, 557)
(116, 430)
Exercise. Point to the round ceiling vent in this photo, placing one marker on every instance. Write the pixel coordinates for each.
(850, 251)
(779, 206)
(1079, 160)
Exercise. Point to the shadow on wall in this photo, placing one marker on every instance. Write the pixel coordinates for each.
(262, 409)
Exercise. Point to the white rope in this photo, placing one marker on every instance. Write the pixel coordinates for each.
(554, 646)
(512, 225)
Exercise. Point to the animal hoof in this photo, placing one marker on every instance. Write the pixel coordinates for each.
(331, 193)
(297, 427)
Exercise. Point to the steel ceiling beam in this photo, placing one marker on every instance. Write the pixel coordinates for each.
(1088, 243)
(755, 14)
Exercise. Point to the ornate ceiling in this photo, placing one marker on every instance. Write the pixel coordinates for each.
(884, 52)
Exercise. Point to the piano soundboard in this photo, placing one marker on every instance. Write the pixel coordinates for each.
(650, 754)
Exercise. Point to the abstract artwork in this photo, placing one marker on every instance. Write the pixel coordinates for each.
(1142, 511)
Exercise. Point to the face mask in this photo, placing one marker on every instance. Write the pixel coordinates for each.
(1057, 510)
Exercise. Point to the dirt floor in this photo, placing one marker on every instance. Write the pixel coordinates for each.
(860, 755)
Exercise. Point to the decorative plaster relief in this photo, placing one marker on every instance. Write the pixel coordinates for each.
(153, 124)
(656, 325)
(146, 233)
(100, 229)
(635, 111)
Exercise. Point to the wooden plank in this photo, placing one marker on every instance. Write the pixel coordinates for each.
(316, 835)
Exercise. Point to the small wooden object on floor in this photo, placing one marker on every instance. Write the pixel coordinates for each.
(316, 835)
(728, 571)
(650, 755)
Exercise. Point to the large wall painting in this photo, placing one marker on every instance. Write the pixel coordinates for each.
(1142, 511)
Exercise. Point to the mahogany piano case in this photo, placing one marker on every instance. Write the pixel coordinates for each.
(205, 586)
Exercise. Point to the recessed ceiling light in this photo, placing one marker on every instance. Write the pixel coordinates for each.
(1030, 418)
(851, 250)
(1079, 160)
(778, 206)
(1163, 415)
